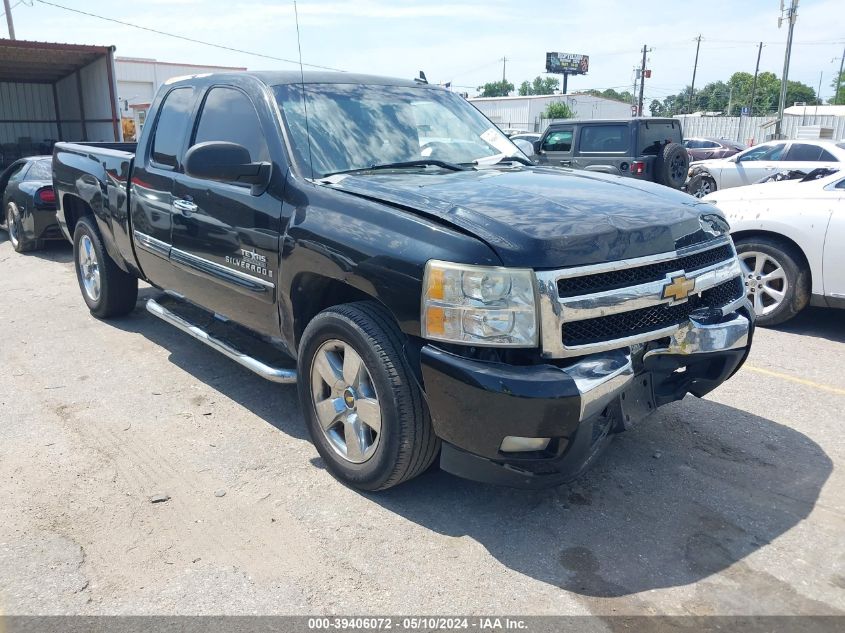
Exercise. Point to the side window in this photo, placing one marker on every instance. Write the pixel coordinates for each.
(764, 152)
(604, 138)
(558, 141)
(709, 145)
(840, 184)
(827, 157)
(804, 152)
(172, 124)
(228, 115)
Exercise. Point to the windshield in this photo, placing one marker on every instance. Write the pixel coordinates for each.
(353, 126)
(40, 170)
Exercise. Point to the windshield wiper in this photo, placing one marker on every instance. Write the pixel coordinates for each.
(506, 159)
(408, 164)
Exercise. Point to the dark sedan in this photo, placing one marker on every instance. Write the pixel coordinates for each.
(704, 148)
(29, 203)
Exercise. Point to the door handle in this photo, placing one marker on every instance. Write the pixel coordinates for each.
(566, 163)
(185, 207)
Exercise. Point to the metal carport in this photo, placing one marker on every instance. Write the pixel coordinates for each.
(51, 92)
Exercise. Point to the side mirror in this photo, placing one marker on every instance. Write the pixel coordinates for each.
(526, 147)
(227, 162)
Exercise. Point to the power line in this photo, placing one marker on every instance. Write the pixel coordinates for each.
(185, 38)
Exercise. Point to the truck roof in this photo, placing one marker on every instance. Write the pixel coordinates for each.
(281, 77)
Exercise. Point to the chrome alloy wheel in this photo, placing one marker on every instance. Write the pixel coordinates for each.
(89, 268)
(765, 280)
(12, 226)
(345, 401)
(704, 188)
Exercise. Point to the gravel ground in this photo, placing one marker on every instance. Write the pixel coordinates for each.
(734, 504)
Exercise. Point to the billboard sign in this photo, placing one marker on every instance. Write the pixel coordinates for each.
(569, 63)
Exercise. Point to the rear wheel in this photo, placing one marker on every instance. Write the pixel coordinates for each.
(107, 290)
(777, 281)
(15, 229)
(364, 410)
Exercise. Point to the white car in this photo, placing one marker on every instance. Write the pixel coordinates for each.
(790, 237)
(755, 163)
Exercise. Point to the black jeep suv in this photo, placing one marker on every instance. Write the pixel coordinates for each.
(645, 148)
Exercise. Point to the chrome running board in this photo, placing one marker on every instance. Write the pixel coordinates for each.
(280, 375)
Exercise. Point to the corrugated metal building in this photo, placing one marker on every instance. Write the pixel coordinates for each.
(138, 80)
(525, 113)
(50, 92)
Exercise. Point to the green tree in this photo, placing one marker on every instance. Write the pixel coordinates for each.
(545, 85)
(540, 86)
(496, 89)
(838, 85)
(558, 110)
(656, 108)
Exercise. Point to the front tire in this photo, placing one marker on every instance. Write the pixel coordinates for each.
(777, 279)
(107, 290)
(701, 185)
(364, 410)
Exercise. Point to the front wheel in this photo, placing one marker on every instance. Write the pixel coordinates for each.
(777, 281)
(700, 185)
(107, 290)
(364, 409)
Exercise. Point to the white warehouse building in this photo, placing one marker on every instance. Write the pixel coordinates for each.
(526, 113)
(138, 80)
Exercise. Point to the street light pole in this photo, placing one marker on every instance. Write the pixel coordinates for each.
(9, 21)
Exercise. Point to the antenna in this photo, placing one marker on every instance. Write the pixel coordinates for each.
(302, 83)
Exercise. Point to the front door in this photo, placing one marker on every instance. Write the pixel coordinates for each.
(556, 148)
(225, 237)
(834, 244)
(754, 165)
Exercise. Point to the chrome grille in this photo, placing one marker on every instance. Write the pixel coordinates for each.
(573, 286)
(648, 319)
(615, 304)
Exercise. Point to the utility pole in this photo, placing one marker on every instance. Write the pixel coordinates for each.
(504, 62)
(9, 21)
(730, 98)
(754, 84)
(642, 82)
(791, 15)
(694, 69)
(839, 78)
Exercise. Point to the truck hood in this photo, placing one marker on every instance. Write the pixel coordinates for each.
(541, 217)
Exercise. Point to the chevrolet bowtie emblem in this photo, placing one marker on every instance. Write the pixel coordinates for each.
(678, 289)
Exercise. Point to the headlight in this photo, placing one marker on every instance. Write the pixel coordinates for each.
(479, 305)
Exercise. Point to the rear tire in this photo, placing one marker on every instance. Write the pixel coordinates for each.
(771, 268)
(672, 166)
(15, 229)
(107, 290)
(351, 356)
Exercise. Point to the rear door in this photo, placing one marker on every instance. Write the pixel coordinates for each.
(606, 147)
(556, 148)
(152, 185)
(225, 239)
(807, 157)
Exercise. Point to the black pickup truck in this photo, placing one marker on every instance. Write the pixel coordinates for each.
(433, 294)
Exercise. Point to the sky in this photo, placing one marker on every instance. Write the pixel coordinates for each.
(464, 41)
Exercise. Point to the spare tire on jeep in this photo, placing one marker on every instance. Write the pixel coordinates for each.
(671, 166)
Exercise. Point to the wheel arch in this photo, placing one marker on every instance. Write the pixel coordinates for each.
(311, 293)
(74, 208)
(783, 239)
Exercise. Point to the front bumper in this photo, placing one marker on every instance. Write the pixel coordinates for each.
(475, 404)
